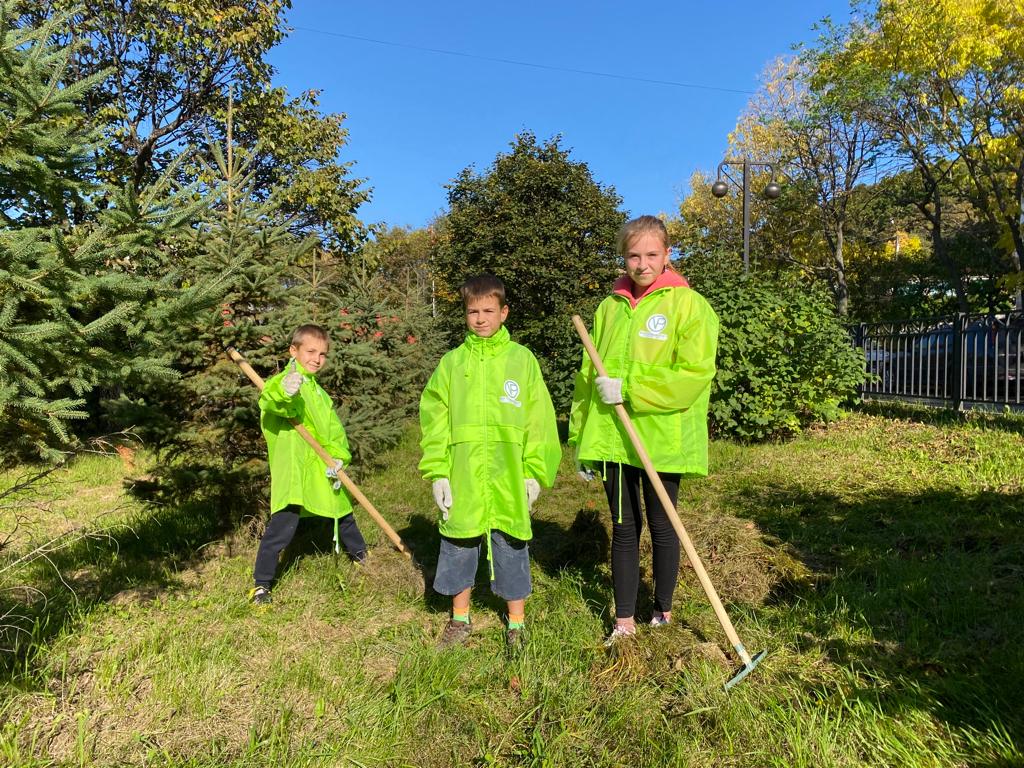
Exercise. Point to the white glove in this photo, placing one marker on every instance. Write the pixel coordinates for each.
(332, 473)
(443, 495)
(586, 474)
(610, 390)
(292, 381)
(532, 491)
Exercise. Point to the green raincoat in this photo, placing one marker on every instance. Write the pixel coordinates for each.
(488, 423)
(296, 472)
(663, 349)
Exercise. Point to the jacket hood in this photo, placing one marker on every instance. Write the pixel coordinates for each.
(667, 279)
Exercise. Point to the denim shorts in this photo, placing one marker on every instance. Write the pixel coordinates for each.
(458, 560)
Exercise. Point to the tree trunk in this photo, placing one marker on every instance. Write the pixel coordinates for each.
(940, 253)
(842, 291)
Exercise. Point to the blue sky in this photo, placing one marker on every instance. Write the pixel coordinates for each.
(416, 118)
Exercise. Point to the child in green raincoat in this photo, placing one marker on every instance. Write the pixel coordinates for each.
(489, 443)
(300, 484)
(658, 339)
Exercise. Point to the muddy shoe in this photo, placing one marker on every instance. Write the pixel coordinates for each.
(260, 596)
(515, 641)
(455, 633)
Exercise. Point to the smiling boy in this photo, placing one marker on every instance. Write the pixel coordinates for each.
(300, 485)
(489, 443)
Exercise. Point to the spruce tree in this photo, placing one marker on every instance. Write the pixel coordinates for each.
(84, 291)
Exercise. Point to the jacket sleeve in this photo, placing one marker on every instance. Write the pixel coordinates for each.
(435, 429)
(675, 387)
(583, 389)
(274, 400)
(542, 451)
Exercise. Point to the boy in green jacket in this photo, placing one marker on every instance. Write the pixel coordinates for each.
(300, 485)
(489, 443)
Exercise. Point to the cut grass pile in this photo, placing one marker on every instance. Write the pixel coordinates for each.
(879, 562)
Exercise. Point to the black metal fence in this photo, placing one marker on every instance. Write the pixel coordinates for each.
(959, 362)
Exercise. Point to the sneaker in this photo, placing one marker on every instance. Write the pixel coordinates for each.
(620, 632)
(515, 639)
(455, 633)
(260, 596)
(660, 621)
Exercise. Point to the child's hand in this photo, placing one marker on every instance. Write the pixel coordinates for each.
(532, 491)
(332, 473)
(292, 382)
(443, 495)
(609, 390)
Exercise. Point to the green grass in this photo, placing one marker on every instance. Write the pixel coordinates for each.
(879, 562)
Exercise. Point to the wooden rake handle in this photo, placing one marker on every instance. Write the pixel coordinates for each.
(328, 460)
(666, 501)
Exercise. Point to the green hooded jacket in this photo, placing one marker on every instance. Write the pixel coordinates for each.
(663, 348)
(296, 472)
(487, 424)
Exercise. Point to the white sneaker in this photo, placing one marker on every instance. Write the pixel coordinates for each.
(620, 632)
(660, 621)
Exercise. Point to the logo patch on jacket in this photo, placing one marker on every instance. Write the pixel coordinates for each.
(511, 395)
(655, 325)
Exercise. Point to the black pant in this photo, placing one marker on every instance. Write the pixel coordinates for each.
(626, 537)
(279, 533)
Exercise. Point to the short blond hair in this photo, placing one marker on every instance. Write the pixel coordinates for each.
(309, 329)
(482, 286)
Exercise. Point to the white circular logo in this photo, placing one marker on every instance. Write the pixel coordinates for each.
(656, 323)
(512, 390)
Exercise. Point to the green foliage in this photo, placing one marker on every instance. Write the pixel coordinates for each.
(540, 222)
(82, 306)
(382, 352)
(784, 358)
(166, 66)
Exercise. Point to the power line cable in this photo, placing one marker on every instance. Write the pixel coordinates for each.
(517, 63)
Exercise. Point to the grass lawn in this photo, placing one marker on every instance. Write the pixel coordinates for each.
(879, 562)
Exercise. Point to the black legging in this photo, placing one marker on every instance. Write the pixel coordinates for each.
(279, 533)
(626, 537)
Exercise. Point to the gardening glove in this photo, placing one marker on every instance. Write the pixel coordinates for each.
(532, 491)
(443, 496)
(292, 381)
(610, 390)
(332, 473)
(586, 473)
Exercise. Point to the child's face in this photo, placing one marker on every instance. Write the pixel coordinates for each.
(311, 353)
(646, 258)
(485, 315)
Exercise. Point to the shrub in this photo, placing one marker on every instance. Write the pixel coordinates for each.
(784, 358)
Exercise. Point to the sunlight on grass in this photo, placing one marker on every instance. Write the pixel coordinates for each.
(878, 561)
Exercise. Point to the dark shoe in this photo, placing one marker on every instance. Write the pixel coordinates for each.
(455, 633)
(260, 596)
(515, 641)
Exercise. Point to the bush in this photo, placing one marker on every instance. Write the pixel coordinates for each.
(784, 358)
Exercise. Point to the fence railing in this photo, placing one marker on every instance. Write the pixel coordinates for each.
(966, 361)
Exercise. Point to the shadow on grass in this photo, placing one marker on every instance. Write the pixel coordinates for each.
(1009, 421)
(935, 581)
(145, 556)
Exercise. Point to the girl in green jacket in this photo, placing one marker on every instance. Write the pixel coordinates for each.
(658, 339)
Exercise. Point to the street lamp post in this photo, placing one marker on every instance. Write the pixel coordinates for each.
(720, 189)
